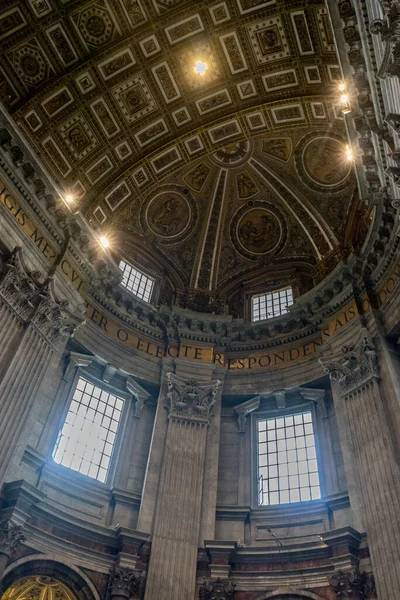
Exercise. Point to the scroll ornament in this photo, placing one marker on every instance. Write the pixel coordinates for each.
(219, 589)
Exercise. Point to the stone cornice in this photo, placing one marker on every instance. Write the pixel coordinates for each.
(164, 323)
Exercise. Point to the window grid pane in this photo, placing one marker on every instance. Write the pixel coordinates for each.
(271, 304)
(287, 460)
(86, 440)
(136, 282)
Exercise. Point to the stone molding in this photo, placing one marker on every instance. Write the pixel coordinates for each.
(244, 409)
(354, 366)
(138, 393)
(190, 399)
(124, 582)
(353, 584)
(34, 303)
(217, 589)
(11, 537)
(388, 29)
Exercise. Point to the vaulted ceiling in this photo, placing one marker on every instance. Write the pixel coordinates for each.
(214, 183)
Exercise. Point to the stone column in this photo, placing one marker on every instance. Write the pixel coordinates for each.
(11, 536)
(124, 583)
(36, 327)
(173, 559)
(356, 389)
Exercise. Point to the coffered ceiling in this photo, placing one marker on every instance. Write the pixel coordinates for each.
(215, 179)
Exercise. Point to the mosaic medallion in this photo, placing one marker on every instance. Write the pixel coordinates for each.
(168, 215)
(257, 229)
(325, 162)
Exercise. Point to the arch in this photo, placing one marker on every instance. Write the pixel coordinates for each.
(71, 577)
(288, 593)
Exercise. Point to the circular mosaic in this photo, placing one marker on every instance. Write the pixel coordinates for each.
(168, 215)
(325, 162)
(259, 231)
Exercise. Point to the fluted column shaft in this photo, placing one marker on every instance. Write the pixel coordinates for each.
(34, 326)
(361, 414)
(172, 571)
(173, 560)
(18, 390)
(379, 477)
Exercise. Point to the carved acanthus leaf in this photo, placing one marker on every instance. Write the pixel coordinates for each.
(11, 536)
(124, 582)
(353, 584)
(33, 302)
(191, 399)
(354, 366)
(219, 589)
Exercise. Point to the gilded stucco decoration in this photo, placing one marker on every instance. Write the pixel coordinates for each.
(38, 588)
(106, 92)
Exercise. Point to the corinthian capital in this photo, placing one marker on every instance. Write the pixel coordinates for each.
(353, 584)
(218, 589)
(190, 399)
(34, 302)
(11, 536)
(354, 366)
(124, 582)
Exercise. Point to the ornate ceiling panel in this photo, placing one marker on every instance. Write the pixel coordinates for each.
(215, 177)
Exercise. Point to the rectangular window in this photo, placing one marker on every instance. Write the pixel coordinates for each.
(86, 440)
(136, 282)
(271, 304)
(287, 460)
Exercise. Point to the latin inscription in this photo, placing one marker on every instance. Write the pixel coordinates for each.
(37, 237)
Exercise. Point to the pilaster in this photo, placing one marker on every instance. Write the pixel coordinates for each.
(37, 326)
(173, 560)
(356, 388)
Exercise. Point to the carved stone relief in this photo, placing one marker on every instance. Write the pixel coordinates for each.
(190, 399)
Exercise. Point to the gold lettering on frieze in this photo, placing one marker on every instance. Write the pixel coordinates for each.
(340, 320)
(37, 237)
(270, 358)
(388, 287)
(205, 354)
